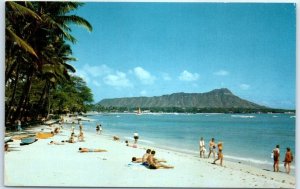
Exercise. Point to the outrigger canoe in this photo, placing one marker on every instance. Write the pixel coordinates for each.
(44, 135)
(28, 140)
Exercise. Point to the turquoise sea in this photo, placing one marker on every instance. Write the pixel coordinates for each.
(247, 138)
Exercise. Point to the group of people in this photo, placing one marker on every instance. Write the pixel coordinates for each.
(149, 161)
(287, 159)
(80, 137)
(212, 150)
(275, 154)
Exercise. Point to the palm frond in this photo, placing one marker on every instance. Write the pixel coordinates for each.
(66, 7)
(73, 19)
(22, 43)
(69, 67)
(19, 9)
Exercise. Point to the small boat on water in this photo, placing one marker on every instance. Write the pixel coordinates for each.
(139, 112)
(28, 140)
(44, 135)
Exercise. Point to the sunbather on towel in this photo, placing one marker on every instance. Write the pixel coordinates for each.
(82, 150)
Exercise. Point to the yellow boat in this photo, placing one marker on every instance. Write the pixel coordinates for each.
(44, 135)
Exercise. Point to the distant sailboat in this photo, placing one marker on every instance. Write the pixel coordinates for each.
(139, 112)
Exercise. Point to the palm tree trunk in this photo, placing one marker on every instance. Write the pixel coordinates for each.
(26, 91)
(12, 100)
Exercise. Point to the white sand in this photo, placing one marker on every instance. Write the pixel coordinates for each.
(40, 164)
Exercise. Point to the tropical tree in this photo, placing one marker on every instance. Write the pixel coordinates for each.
(37, 53)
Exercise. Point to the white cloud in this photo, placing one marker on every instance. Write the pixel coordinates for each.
(166, 77)
(93, 74)
(221, 73)
(96, 71)
(187, 76)
(118, 80)
(244, 86)
(144, 76)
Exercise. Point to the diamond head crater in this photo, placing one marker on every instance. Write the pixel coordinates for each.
(216, 101)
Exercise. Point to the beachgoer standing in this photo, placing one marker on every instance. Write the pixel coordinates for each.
(19, 125)
(276, 154)
(288, 160)
(220, 157)
(136, 137)
(212, 147)
(100, 128)
(80, 127)
(202, 148)
(97, 128)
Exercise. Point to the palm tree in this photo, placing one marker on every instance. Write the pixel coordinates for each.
(36, 34)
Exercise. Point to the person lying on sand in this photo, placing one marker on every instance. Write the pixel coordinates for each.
(57, 143)
(130, 145)
(152, 164)
(82, 150)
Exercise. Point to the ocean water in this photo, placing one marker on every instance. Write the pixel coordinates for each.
(248, 139)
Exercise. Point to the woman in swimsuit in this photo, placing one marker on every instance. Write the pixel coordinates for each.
(288, 160)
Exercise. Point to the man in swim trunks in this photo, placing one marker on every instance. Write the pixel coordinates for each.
(91, 150)
(212, 147)
(152, 164)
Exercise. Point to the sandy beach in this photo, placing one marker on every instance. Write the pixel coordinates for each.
(41, 164)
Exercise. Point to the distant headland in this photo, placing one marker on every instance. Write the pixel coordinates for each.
(216, 101)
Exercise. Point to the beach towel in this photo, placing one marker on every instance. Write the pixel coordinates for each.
(136, 166)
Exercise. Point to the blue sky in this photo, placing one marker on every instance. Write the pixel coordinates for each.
(152, 49)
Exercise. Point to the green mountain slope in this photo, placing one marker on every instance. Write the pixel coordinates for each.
(218, 98)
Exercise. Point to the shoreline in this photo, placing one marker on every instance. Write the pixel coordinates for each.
(266, 164)
(99, 169)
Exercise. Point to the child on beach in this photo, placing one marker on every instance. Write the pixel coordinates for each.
(288, 160)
